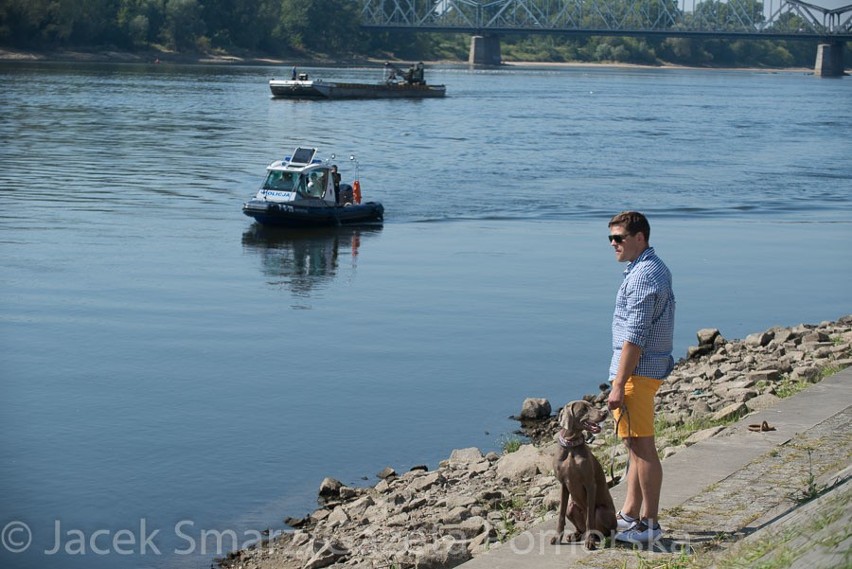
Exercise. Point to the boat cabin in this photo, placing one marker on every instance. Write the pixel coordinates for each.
(300, 177)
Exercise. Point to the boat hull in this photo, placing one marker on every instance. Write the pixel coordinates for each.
(289, 215)
(296, 89)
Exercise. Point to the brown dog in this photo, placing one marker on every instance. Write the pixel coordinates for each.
(590, 508)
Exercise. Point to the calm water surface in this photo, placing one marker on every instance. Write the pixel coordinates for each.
(168, 368)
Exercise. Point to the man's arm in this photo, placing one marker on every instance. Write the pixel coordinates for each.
(627, 363)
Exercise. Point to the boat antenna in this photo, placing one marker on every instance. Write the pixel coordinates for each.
(353, 159)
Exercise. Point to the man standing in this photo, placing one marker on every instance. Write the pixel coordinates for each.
(642, 333)
(335, 180)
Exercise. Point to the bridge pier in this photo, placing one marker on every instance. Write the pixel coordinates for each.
(485, 50)
(829, 60)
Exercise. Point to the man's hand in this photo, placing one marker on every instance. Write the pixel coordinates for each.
(616, 398)
(630, 354)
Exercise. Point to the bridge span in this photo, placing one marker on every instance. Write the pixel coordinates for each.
(487, 20)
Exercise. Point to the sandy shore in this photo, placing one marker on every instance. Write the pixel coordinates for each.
(152, 56)
(109, 56)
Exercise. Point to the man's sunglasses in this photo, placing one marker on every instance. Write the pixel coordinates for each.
(619, 238)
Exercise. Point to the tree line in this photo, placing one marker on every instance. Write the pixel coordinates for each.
(329, 29)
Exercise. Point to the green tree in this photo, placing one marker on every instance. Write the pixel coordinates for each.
(242, 24)
(731, 15)
(18, 26)
(141, 20)
(324, 26)
(34, 23)
(293, 22)
(183, 25)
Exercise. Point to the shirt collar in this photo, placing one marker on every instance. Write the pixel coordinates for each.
(647, 253)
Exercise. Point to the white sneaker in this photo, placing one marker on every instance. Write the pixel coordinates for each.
(625, 522)
(640, 534)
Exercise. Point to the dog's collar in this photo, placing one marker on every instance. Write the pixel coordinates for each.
(570, 443)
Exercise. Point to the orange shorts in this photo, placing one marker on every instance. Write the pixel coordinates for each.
(638, 421)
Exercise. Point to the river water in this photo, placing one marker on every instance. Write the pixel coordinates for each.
(175, 379)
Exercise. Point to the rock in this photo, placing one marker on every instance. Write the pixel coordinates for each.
(358, 508)
(764, 375)
(460, 501)
(731, 412)
(695, 352)
(526, 461)
(741, 395)
(386, 473)
(444, 554)
(479, 544)
(703, 435)
(296, 522)
(552, 498)
(700, 409)
(706, 336)
(465, 456)
(491, 496)
(533, 409)
(330, 488)
(763, 401)
(760, 339)
(815, 338)
(674, 418)
(300, 538)
(806, 373)
(414, 503)
(337, 517)
(426, 481)
(327, 554)
(455, 516)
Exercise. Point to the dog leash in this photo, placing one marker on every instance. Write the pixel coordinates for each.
(613, 480)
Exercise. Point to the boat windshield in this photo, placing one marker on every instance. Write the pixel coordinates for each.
(282, 181)
(314, 183)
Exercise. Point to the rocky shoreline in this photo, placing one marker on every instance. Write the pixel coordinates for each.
(473, 502)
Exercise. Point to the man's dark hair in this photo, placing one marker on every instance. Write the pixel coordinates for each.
(634, 222)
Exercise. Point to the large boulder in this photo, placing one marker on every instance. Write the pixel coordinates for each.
(526, 461)
(535, 408)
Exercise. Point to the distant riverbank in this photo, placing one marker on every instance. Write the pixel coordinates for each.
(155, 57)
(150, 56)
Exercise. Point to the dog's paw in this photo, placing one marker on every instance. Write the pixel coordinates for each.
(556, 539)
(593, 539)
(576, 536)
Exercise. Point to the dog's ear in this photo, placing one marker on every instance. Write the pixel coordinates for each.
(563, 419)
(568, 417)
(579, 410)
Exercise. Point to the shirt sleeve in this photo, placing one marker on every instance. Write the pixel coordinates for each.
(640, 299)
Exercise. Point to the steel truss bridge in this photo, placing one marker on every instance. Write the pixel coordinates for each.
(775, 19)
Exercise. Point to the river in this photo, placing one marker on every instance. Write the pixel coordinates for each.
(175, 379)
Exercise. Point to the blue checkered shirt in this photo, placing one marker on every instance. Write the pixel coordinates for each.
(644, 315)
